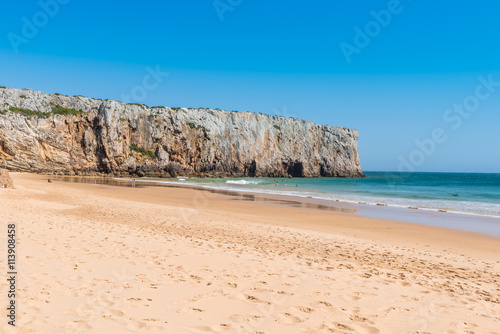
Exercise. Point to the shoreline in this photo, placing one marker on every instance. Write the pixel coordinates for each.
(324, 219)
(486, 225)
(320, 215)
(100, 258)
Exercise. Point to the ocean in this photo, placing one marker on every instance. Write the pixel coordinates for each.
(478, 194)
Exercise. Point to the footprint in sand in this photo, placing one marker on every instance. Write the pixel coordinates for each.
(321, 304)
(199, 330)
(190, 309)
(26, 320)
(244, 317)
(334, 327)
(77, 326)
(289, 319)
(365, 329)
(351, 298)
(117, 313)
(135, 325)
(302, 309)
(403, 283)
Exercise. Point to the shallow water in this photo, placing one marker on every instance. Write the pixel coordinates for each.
(424, 193)
(478, 194)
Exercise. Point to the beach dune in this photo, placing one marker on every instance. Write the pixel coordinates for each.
(97, 259)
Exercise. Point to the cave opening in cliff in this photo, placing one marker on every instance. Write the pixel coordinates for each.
(251, 170)
(296, 169)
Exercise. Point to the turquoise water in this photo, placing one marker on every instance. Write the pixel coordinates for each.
(479, 194)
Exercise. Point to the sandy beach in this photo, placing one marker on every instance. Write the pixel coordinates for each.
(103, 259)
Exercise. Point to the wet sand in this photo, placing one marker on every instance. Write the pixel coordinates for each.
(464, 222)
(97, 258)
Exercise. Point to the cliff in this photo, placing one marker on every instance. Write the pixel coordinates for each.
(59, 134)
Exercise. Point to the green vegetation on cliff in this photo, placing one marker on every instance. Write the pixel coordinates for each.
(142, 151)
(56, 110)
(29, 112)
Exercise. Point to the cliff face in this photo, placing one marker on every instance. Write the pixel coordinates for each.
(60, 134)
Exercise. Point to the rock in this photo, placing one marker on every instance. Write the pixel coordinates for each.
(96, 136)
(5, 179)
(161, 154)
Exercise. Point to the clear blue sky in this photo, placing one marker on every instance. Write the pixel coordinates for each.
(282, 58)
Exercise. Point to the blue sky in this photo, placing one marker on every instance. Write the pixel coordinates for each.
(283, 58)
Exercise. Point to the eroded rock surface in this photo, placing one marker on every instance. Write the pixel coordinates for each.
(94, 136)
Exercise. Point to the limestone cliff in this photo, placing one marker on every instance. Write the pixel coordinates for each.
(60, 134)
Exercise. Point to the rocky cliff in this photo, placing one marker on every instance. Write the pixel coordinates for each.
(60, 134)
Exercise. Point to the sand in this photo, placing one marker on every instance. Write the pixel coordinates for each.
(102, 259)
